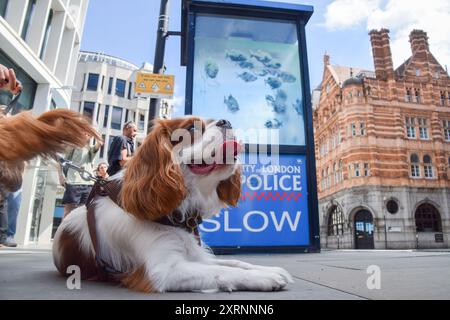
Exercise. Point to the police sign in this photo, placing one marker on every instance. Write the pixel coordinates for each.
(250, 68)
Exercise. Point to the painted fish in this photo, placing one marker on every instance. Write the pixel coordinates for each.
(236, 56)
(211, 69)
(287, 77)
(273, 124)
(261, 56)
(248, 77)
(246, 65)
(231, 103)
(298, 106)
(275, 65)
(263, 73)
(274, 83)
(278, 103)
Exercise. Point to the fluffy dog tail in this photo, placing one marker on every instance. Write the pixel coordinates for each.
(23, 136)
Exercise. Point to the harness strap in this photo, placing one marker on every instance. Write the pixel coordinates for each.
(112, 190)
(102, 188)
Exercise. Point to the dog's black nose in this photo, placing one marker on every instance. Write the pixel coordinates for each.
(224, 124)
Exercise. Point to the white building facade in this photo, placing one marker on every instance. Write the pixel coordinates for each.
(104, 92)
(40, 39)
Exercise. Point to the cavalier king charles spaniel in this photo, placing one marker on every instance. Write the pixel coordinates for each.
(166, 180)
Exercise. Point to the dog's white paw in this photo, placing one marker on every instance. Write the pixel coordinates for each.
(287, 276)
(252, 280)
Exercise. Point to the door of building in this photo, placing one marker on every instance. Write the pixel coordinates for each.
(364, 230)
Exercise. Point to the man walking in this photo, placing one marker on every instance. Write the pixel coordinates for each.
(122, 149)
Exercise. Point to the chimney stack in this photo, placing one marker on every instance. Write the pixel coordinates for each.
(419, 42)
(382, 55)
(326, 59)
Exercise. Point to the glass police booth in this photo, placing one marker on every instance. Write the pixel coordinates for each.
(246, 62)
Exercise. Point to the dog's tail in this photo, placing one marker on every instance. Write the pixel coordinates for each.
(23, 136)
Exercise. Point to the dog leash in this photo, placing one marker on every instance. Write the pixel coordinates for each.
(84, 174)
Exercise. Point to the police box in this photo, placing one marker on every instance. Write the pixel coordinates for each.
(247, 63)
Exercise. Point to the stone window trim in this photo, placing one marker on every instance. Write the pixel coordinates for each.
(357, 170)
(415, 172)
(392, 205)
(410, 125)
(442, 99)
(336, 222)
(362, 127)
(366, 169)
(446, 128)
(428, 167)
(423, 129)
(408, 95)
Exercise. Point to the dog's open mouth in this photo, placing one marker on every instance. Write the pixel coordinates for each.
(227, 153)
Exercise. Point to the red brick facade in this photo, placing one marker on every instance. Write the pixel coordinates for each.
(388, 128)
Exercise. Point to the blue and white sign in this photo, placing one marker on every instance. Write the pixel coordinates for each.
(273, 210)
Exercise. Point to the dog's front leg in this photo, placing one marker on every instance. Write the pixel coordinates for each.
(196, 276)
(247, 266)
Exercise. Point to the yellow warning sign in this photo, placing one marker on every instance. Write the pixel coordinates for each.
(159, 86)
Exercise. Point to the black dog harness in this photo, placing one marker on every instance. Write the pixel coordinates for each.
(112, 189)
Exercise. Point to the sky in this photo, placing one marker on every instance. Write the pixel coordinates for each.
(127, 29)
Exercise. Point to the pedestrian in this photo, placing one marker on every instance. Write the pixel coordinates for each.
(14, 200)
(78, 189)
(102, 171)
(8, 85)
(122, 149)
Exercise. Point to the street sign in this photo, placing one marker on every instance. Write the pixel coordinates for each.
(158, 86)
(273, 209)
(246, 62)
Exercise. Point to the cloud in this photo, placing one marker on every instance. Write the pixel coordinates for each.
(343, 14)
(178, 104)
(401, 17)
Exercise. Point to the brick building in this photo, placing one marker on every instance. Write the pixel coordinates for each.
(383, 151)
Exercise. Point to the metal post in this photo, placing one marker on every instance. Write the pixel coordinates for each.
(158, 64)
(385, 234)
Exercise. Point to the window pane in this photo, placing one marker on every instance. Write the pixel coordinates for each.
(141, 123)
(3, 6)
(130, 87)
(120, 88)
(28, 18)
(47, 32)
(250, 69)
(116, 119)
(88, 110)
(26, 100)
(110, 85)
(93, 82)
(105, 117)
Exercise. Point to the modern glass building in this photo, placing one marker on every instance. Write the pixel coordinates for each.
(104, 92)
(40, 39)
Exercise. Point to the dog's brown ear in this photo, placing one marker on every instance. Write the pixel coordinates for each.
(229, 190)
(153, 184)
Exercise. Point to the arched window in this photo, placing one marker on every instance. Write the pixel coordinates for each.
(335, 221)
(428, 219)
(428, 166)
(415, 166)
(417, 95)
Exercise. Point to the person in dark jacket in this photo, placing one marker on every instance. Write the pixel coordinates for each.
(122, 149)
